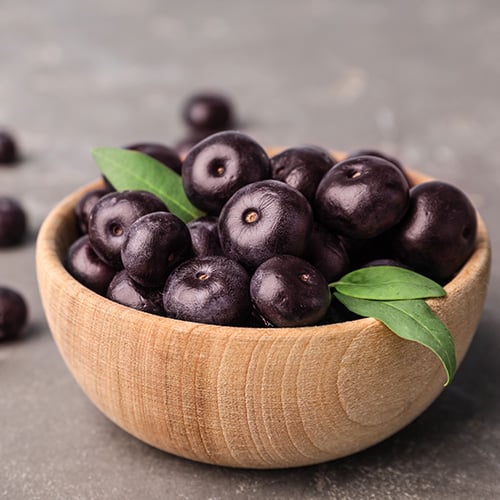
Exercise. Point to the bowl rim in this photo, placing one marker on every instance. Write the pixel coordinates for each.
(51, 246)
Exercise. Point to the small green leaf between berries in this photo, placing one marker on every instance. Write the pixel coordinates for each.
(127, 169)
(387, 283)
(412, 320)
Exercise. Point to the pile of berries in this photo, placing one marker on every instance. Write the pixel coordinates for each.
(277, 231)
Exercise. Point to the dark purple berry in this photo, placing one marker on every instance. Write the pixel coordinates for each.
(263, 220)
(111, 217)
(164, 154)
(13, 313)
(8, 149)
(362, 197)
(288, 291)
(326, 252)
(220, 165)
(154, 245)
(302, 168)
(438, 234)
(124, 290)
(208, 111)
(211, 290)
(85, 266)
(205, 236)
(12, 222)
(85, 206)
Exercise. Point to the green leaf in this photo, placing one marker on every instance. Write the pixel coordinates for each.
(387, 283)
(412, 320)
(127, 169)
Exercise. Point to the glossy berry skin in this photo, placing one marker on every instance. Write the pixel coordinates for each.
(288, 291)
(384, 156)
(205, 236)
(208, 111)
(85, 206)
(327, 253)
(263, 220)
(220, 165)
(13, 314)
(8, 149)
(438, 234)
(362, 197)
(302, 168)
(85, 266)
(212, 290)
(111, 217)
(12, 222)
(164, 154)
(124, 290)
(154, 245)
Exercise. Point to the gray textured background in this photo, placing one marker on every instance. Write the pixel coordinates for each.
(418, 79)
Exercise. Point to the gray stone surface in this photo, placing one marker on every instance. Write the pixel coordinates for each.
(418, 79)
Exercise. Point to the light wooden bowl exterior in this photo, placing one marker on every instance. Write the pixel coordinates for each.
(259, 398)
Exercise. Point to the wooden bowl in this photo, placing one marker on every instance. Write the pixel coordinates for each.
(245, 397)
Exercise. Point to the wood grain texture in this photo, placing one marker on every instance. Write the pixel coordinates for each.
(259, 398)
